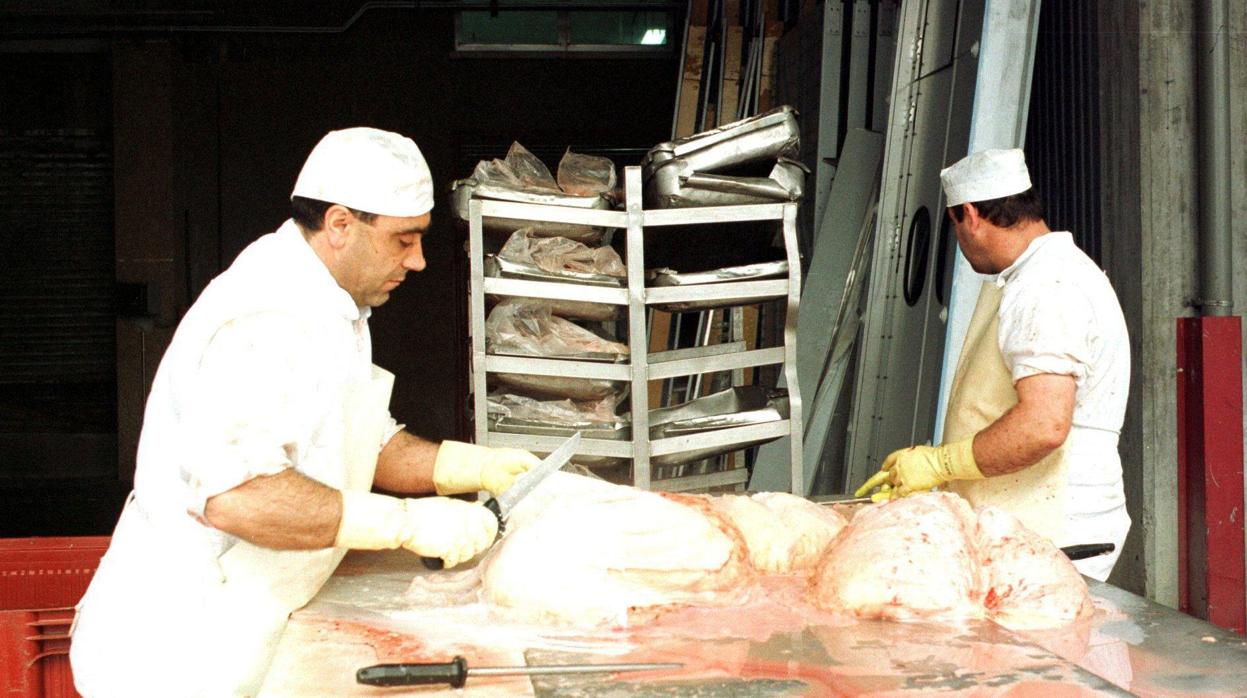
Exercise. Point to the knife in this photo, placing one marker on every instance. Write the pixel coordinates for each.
(504, 503)
(456, 672)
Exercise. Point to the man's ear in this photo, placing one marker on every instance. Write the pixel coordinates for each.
(971, 215)
(336, 225)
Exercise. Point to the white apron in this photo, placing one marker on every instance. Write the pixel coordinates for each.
(981, 393)
(240, 606)
(1041, 496)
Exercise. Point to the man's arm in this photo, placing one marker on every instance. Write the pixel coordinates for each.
(406, 464)
(286, 511)
(412, 465)
(1031, 429)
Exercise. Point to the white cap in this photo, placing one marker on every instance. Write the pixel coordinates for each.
(369, 170)
(985, 175)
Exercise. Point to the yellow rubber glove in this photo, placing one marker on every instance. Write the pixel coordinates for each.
(450, 529)
(919, 468)
(461, 468)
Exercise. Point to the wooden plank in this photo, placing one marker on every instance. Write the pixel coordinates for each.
(766, 87)
(690, 82)
(751, 337)
(731, 75)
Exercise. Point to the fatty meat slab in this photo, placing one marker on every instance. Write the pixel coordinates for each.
(907, 559)
(784, 533)
(592, 553)
(1028, 582)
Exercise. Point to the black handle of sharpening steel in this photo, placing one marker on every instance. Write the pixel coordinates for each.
(1086, 550)
(435, 563)
(454, 673)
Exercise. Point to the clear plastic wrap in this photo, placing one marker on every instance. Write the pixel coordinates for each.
(585, 175)
(571, 413)
(529, 327)
(558, 254)
(519, 170)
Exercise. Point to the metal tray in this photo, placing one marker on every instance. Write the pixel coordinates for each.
(749, 272)
(560, 387)
(762, 137)
(735, 407)
(464, 190)
(496, 266)
(746, 272)
(676, 184)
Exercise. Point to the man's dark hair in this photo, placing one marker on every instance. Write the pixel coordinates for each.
(310, 213)
(1007, 211)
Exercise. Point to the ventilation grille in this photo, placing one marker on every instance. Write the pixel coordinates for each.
(1063, 129)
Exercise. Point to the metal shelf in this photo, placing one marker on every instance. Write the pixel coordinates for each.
(642, 365)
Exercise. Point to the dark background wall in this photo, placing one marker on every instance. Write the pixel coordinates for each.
(208, 131)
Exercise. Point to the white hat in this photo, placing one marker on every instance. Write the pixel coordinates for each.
(369, 170)
(985, 175)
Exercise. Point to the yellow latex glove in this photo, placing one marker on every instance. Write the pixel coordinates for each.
(450, 529)
(919, 468)
(461, 468)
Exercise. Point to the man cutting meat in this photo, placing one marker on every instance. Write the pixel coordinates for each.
(1039, 395)
(265, 431)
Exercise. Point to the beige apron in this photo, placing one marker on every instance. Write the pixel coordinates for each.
(982, 392)
(261, 587)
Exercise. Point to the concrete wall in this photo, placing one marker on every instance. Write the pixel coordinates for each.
(1149, 85)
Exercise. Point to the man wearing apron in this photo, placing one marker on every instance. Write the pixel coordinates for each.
(265, 431)
(1040, 390)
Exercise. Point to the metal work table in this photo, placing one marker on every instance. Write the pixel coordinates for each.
(1131, 646)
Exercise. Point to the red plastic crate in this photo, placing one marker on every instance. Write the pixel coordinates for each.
(40, 581)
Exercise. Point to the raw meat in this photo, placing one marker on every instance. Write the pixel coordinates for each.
(930, 556)
(586, 552)
(784, 533)
(1028, 581)
(905, 559)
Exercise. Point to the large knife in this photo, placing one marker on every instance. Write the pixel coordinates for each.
(504, 503)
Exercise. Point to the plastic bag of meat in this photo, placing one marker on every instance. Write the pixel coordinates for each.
(1028, 581)
(585, 175)
(906, 559)
(519, 170)
(527, 326)
(557, 254)
(577, 414)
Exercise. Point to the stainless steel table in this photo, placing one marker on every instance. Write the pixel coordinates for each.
(364, 616)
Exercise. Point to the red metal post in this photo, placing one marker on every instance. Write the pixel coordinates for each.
(1210, 461)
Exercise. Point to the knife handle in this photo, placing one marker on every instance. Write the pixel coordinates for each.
(454, 673)
(436, 563)
(1086, 550)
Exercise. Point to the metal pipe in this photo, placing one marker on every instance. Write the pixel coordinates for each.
(1213, 94)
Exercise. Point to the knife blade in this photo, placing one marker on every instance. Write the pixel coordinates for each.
(528, 481)
(503, 504)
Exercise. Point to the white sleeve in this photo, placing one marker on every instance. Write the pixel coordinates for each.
(391, 430)
(258, 400)
(1047, 328)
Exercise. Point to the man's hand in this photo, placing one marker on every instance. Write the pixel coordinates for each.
(464, 468)
(449, 529)
(919, 468)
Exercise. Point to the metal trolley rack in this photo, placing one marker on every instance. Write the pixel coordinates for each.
(643, 365)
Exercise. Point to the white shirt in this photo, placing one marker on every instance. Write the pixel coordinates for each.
(253, 383)
(1059, 314)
